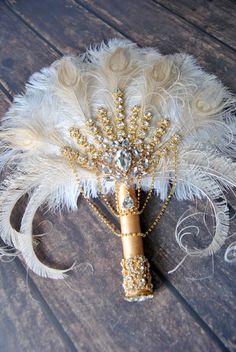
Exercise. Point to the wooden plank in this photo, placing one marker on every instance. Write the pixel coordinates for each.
(213, 17)
(25, 324)
(98, 287)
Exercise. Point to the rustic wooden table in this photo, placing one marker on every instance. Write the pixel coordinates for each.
(86, 312)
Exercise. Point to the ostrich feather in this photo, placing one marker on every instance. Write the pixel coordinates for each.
(69, 92)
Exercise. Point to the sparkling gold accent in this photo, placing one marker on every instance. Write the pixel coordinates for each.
(120, 115)
(136, 278)
(133, 234)
(120, 212)
(123, 150)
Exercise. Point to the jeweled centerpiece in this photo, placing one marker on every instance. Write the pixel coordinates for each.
(125, 150)
(122, 150)
(123, 160)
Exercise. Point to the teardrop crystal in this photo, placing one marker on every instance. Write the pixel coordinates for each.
(128, 202)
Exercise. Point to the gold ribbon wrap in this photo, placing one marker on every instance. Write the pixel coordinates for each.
(135, 267)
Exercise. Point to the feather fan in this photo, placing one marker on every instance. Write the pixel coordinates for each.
(68, 106)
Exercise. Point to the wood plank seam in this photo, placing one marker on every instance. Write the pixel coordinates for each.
(110, 24)
(192, 24)
(190, 309)
(21, 18)
(47, 310)
(174, 9)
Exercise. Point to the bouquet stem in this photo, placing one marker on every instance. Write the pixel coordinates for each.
(135, 266)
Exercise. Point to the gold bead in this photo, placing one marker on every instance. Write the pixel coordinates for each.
(102, 111)
(74, 132)
(156, 140)
(164, 123)
(148, 116)
(176, 139)
(136, 108)
(90, 123)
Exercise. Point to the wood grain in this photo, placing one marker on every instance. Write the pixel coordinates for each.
(17, 61)
(213, 17)
(24, 324)
(91, 311)
(74, 26)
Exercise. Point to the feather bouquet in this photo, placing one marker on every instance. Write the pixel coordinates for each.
(117, 120)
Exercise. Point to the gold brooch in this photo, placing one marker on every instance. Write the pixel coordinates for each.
(123, 150)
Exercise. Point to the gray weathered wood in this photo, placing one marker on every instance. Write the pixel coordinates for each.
(214, 17)
(24, 324)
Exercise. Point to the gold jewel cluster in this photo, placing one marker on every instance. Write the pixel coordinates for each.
(121, 148)
(136, 278)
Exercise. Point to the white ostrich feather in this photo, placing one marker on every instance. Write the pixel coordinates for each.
(69, 92)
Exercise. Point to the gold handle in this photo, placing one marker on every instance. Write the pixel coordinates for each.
(135, 267)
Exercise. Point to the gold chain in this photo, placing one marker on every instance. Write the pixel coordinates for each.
(138, 191)
(108, 204)
(167, 201)
(116, 198)
(111, 226)
(94, 207)
(148, 195)
(104, 198)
